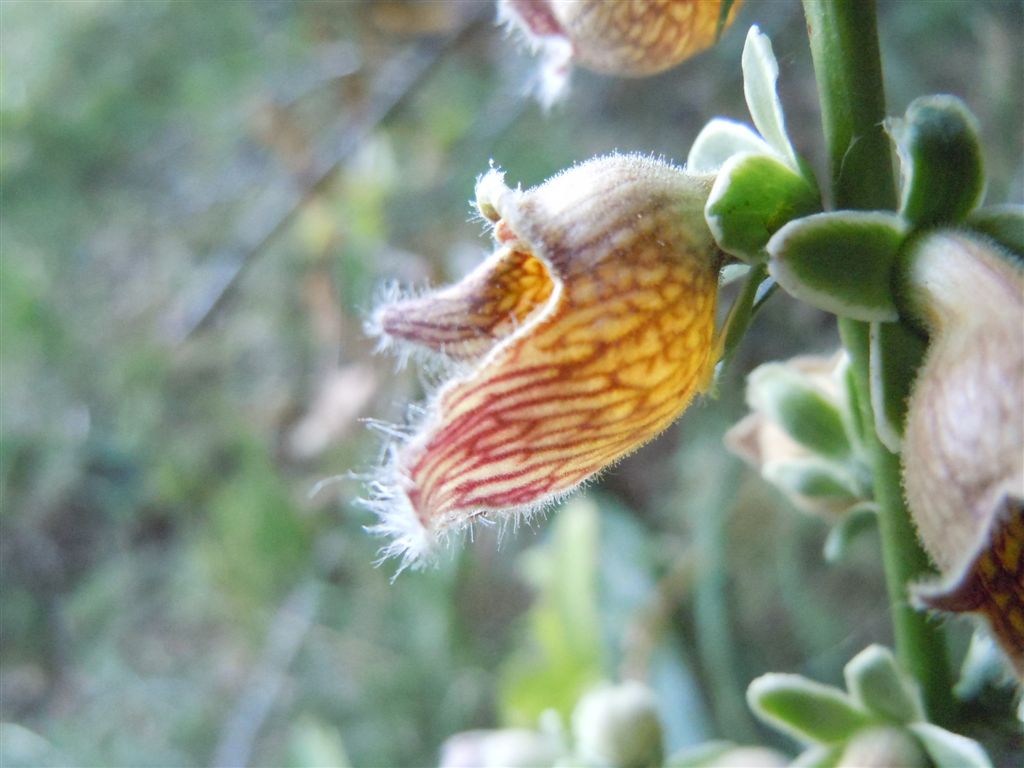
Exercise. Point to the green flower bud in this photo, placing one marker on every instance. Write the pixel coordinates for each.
(618, 725)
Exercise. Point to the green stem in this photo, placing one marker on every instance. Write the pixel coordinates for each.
(741, 314)
(847, 65)
(920, 643)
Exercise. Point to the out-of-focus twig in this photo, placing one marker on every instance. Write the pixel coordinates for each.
(275, 208)
(287, 633)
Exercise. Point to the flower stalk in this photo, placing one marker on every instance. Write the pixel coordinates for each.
(847, 65)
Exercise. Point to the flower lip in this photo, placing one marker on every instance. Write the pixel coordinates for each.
(583, 335)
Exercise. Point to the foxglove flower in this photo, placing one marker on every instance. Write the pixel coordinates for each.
(584, 335)
(963, 448)
(628, 38)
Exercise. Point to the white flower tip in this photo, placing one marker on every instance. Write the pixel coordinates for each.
(490, 189)
(409, 541)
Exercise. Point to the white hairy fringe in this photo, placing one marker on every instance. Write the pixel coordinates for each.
(549, 84)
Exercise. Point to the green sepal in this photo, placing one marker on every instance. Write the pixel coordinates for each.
(811, 477)
(984, 666)
(877, 684)
(719, 140)
(941, 162)
(787, 398)
(1003, 223)
(895, 352)
(760, 75)
(949, 750)
(753, 196)
(841, 262)
(808, 711)
(851, 526)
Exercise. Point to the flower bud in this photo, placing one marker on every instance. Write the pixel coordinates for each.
(506, 748)
(584, 335)
(796, 436)
(618, 725)
(964, 444)
(883, 748)
(628, 38)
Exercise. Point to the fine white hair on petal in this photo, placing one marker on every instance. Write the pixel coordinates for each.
(407, 538)
(434, 363)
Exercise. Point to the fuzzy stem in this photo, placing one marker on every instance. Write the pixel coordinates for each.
(847, 66)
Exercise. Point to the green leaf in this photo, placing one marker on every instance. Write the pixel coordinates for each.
(760, 74)
(562, 655)
(950, 750)
(810, 477)
(841, 262)
(856, 522)
(940, 158)
(787, 398)
(753, 196)
(875, 682)
(806, 710)
(718, 141)
(1003, 223)
(896, 351)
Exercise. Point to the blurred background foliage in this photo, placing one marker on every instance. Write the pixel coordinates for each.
(200, 201)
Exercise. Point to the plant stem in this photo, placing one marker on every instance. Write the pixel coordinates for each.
(741, 313)
(847, 66)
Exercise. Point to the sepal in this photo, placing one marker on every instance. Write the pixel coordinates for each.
(788, 398)
(753, 197)
(841, 262)
(760, 77)
(817, 480)
(878, 685)
(895, 353)
(718, 141)
(808, 711)
(1003, 223)
(851, 526)
(940, 160)
(949, 750)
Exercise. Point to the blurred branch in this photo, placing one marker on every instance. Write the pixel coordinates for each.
(287, 633)
(278, 204)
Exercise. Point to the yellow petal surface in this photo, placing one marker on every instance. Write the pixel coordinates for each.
(638, 37)
(465, 320)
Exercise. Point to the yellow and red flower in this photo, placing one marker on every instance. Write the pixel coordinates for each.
(584, 335)
(627, 38)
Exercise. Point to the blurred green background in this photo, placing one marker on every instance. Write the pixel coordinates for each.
(200, 201)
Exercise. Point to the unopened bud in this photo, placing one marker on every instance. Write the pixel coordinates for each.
(618, 725)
